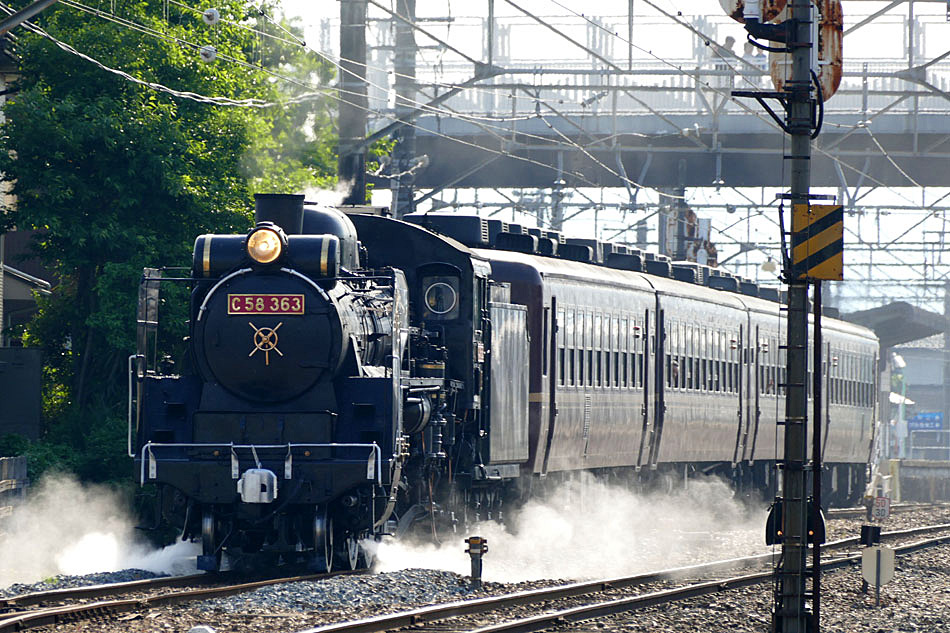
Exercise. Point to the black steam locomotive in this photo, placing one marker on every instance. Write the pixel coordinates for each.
(350, 375)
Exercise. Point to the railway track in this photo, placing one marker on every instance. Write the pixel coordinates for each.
(17, 619)
(438, 618)
(124, 597)
(861, 511)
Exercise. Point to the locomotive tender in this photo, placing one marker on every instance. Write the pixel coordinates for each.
(351, 375)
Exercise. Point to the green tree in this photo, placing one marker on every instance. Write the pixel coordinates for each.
(118, 176)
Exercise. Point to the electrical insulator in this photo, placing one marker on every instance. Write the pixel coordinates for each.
(208, 54)
(211, 16)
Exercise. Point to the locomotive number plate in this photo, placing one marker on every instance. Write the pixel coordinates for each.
(265, 304)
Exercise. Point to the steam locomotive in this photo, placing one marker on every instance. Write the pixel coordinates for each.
(349, 375)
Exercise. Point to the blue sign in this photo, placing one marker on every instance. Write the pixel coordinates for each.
(926, 422)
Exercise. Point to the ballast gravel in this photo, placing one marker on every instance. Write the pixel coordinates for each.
(71, 582)
(351, 593)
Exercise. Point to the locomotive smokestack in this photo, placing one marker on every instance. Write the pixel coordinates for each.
(283, 209)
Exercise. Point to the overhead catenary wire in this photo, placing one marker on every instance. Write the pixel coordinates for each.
(324, 91)
(740, 104)
(456, 115)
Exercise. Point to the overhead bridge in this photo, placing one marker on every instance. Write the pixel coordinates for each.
(886, 126)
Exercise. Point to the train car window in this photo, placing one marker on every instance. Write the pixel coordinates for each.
(560, 366)
(573, 368)
(440, 297)
(580, 368)
(596, 344)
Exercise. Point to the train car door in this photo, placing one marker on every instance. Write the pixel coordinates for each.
(653, 416)
(659, 383)
(743, 396)
(826, 396)
(748, 391)
(755, 408)
(645, 411)
(555, 370)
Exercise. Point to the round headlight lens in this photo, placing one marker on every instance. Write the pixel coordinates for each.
(264, 246)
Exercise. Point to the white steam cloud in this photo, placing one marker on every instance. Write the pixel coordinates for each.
(66, 528)
(330, 197)
(590, 529)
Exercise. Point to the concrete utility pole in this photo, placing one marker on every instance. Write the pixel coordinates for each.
(404, 153)
(791, 613)
(946, 356)
(1, 290)
(351, 155)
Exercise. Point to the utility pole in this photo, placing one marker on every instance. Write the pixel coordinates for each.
(1, 290)
(791, 612)
(404, 153)
(946, 356)
(792, 519)
(351, 161)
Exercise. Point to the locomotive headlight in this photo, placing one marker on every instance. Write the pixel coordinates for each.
(264, 246)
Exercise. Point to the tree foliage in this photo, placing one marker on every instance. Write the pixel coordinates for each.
(117, 176)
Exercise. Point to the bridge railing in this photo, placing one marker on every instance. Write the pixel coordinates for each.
(576, 90)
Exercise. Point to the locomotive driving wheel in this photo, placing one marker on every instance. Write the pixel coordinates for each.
(347, 552)
(210, 551)
(322, 541)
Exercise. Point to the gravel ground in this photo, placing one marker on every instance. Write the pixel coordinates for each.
(843, 528)
(371, 593)
(917, 600)
(69, 582)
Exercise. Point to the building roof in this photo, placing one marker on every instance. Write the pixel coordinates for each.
(931, 342)
(34, 283)
(899, 322)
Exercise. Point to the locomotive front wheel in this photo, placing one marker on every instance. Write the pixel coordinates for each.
(322, 541)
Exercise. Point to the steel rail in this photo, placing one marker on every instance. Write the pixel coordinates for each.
(844, 513)
(611, 607)
(435, 613)
(106, 589)
(54, 615)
